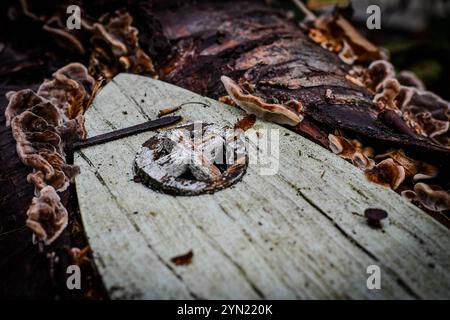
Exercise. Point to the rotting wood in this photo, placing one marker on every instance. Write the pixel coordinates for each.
(277, 63)
(298, 234)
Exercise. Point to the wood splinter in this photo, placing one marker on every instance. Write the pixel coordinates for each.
(166, 111)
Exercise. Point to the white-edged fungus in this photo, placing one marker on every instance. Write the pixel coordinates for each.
(390, 89)
(409, 79)
(347, 54)
(277, 113)
(377, 72)
(47, 217)
(432, 197)
(351, 150)
(43, 124)
(386, 173)
(426, 171)
(411, 166)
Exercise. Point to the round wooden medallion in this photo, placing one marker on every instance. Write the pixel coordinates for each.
(192, 159)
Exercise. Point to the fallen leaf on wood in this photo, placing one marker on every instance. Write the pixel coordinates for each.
(184, 259)
(246, 123)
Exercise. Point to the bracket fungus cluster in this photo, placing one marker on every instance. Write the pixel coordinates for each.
(111, 41)
(352, 150)
(425, 113)
(289, 113)
(44, 124)
(432, 197)
(47, 217)
(336, 34)
(116, 46)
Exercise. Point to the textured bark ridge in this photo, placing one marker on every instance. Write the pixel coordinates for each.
(272, 58)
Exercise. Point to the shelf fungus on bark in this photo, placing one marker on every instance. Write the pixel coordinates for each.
(50, 119)
(192, 159)
(335, 33)
(44, 124)
(47, 217)
(351, 150)
(431, 197)
(386, 173)
(386, 98)
(409, 79)
(278, 113)
(116, 46)
(417, 170)
(419, 112)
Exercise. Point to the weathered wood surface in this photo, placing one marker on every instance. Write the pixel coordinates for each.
(297, 234)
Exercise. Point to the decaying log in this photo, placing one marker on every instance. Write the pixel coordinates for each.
(272, 56)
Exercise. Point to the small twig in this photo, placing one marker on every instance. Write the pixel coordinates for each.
(309, 15)
(98, 84)
(12, 231)
(166, 111)
(122, 133)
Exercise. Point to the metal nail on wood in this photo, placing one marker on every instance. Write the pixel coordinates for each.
(122, 133)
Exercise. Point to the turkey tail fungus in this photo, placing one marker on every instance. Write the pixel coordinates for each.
(43, 125)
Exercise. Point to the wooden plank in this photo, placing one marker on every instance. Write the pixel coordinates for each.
(296, 234)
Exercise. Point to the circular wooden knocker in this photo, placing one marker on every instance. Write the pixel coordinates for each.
(192, 159)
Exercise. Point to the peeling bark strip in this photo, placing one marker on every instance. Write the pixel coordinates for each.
(272, 59)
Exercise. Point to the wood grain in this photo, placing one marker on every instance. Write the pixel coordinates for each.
(297, 234)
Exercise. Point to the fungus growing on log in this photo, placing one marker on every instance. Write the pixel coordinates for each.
(341, 146)
(278, 113)
(335, 33)
(426, 171)
(116, 46)
(411, 166)
(409, 79)
(386, 98)
(377, 72)
(20, 101)
(431, 126)
(386, 173)
(69, 90)
(47, 217)
(432, 197)
(347, 55)
(43, 125)
(351, 150)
